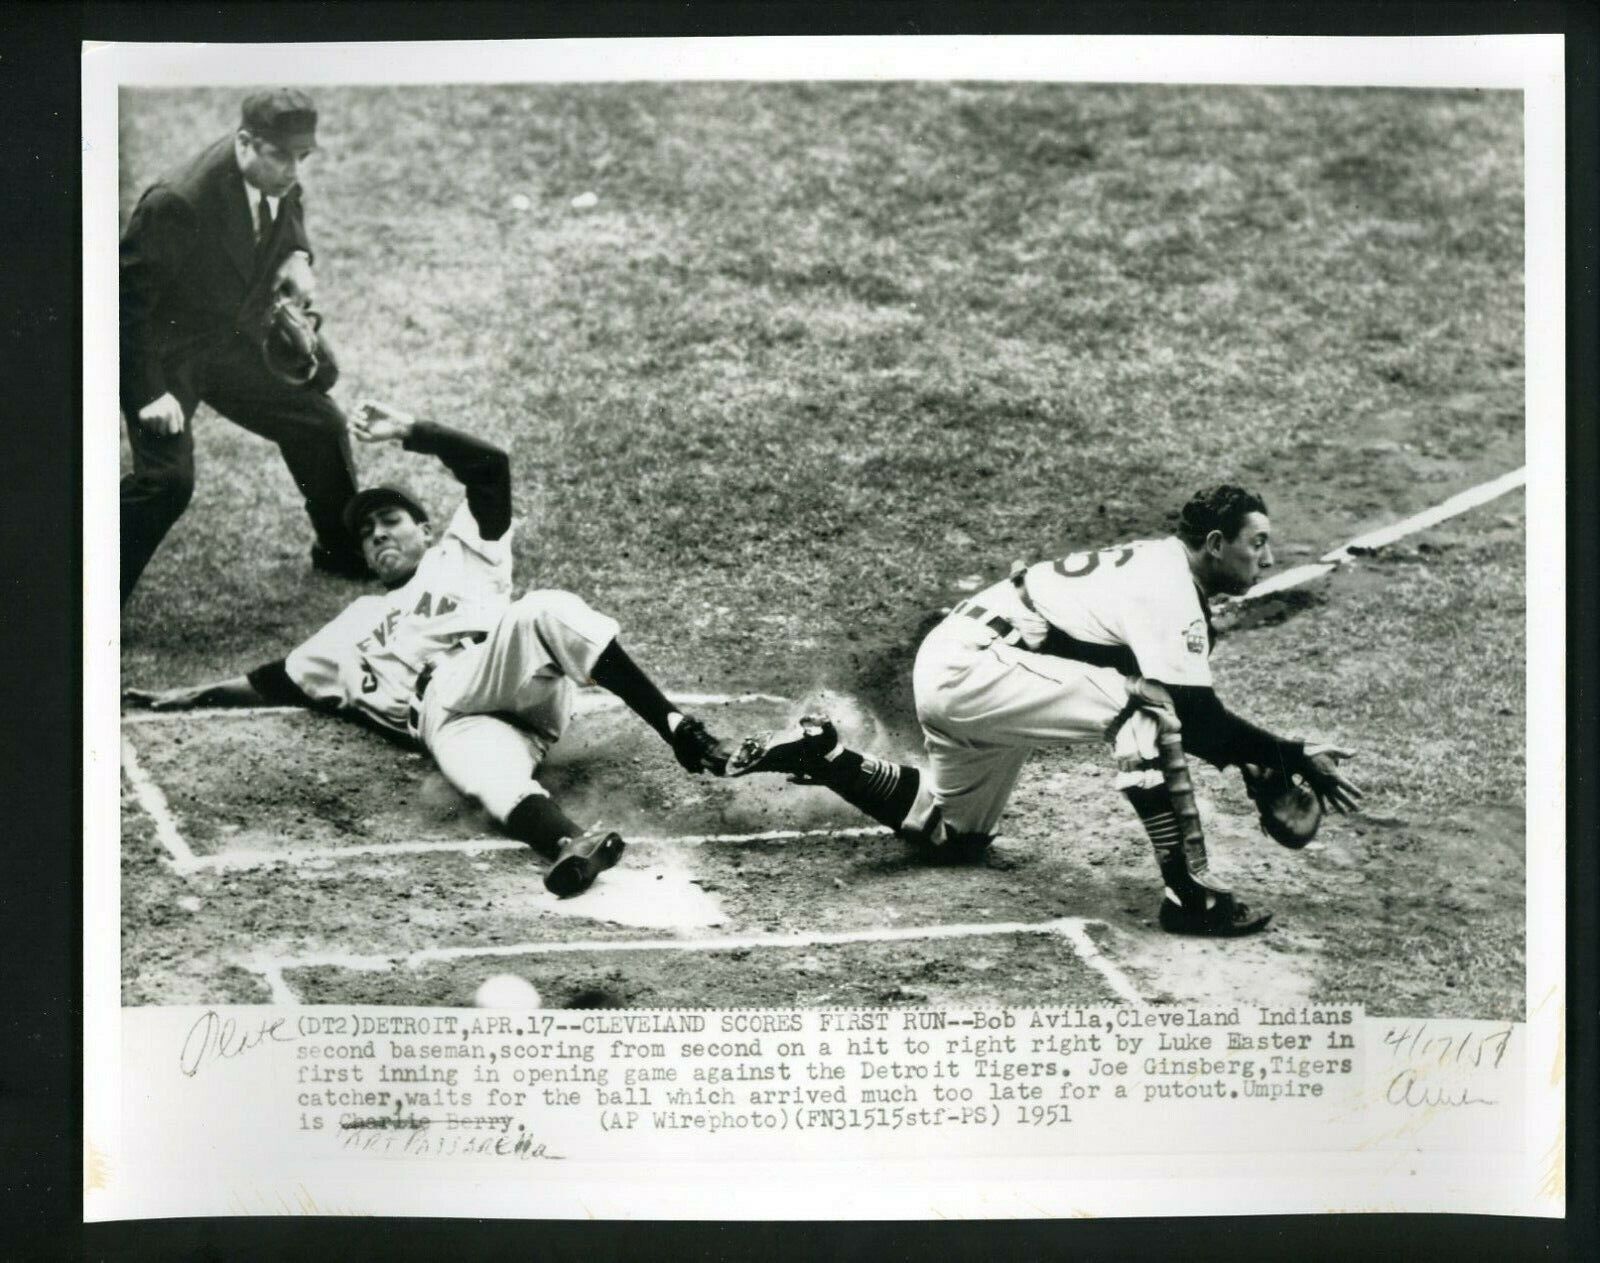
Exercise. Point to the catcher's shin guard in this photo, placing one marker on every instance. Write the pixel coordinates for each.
(1178, 843)
(1174, 765)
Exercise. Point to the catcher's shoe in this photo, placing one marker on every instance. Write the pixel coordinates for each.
(581, 860)
(939, 845)
(799, 750)
(1227, 918)
(697, 750)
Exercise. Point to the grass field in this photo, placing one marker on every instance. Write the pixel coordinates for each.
(820, 358)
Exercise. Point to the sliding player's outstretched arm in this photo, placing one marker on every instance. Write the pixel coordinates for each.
(234, 691)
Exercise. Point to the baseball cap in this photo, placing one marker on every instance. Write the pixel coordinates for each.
(370, 498)
(283, 116)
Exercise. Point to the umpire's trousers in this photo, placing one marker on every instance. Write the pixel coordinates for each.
(306, 425)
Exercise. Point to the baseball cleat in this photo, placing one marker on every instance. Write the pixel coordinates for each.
(697, 749)
(581, 860)
(963, 853)
(1227, 918)
(798, 750)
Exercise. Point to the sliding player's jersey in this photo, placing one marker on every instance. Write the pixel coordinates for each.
(368, 658)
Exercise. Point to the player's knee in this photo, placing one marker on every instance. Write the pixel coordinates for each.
(544, 605)
(1154, 700)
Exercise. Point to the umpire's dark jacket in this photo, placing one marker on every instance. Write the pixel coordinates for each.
(189, 263)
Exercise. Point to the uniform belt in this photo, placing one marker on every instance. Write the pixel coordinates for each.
(1057, 643)
(1019, 580)
(414, 710)
(999, 626)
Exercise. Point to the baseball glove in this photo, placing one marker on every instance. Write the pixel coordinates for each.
(1291, 810)
(293, 346)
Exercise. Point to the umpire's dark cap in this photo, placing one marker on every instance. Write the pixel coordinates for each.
(365, 501)
(283, 116)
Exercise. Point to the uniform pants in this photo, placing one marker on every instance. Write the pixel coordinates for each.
(985, 704)
(306, 425)
(493, 710)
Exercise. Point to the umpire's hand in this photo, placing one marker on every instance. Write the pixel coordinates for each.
(162, 416)
(296, 279)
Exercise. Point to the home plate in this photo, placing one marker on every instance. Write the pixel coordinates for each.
(650, 896)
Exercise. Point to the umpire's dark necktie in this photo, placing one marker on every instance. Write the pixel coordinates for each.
(263, 224)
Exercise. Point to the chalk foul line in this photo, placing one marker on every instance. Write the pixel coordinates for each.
(1382, 538)
(1072, 930)
(244, 858)
(590, 701)
(155, 806)
(1453, 507)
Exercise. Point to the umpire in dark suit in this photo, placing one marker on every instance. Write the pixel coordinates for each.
(207, 244)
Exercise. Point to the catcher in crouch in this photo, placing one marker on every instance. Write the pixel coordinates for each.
(447, 658)
(1111, 646)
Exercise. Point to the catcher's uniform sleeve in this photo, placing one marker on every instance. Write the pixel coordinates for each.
(160, 236)
(1170, 639)
(1214, 733)
(482, 468)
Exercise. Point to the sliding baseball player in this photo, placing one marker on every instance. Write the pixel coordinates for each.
(445, 656)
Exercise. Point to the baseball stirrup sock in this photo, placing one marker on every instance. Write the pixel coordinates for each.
(537, 821)
(884, 790)
(615, 671)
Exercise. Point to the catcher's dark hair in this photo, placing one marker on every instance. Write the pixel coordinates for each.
(1220, 508)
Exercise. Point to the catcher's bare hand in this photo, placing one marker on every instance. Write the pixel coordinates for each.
(296, 279)
(168, 699)
(1332, 788)
(376, 422)
(163, 415)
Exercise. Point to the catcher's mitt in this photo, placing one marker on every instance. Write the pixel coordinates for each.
(293, 346)
(1290, 810)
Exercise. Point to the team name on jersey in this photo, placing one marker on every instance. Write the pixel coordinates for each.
(424, 609)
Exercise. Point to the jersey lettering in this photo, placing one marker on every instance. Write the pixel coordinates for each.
(369, 657)
(1076, 565)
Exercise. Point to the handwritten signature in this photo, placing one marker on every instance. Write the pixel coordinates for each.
(214, 1038)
